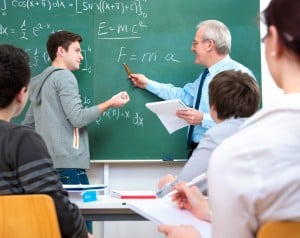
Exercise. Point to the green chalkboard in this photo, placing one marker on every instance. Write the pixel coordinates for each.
(152, 36)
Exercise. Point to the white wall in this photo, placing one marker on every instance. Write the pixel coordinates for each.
(144, 175)
(269, 89)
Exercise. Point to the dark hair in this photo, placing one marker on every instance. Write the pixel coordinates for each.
(234, 94)
(284, 15)
(63, 39)
(14, 73)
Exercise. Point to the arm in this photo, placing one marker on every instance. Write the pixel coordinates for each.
(70, 100)
(35, 165)
(164, 90)
(198, 162)
(196, 165)
(118, 100)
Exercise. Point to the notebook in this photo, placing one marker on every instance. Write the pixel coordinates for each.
(164, 211)
(166, 112)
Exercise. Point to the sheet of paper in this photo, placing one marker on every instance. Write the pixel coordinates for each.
(164, 211)
(166, 112)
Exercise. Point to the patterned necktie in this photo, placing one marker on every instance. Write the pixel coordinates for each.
(191, 128)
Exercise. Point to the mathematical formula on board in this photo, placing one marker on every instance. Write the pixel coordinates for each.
(106, 29)
(78, 6)
(27, 29)
(116, 114)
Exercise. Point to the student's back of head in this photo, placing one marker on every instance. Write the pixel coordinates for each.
(14, 73)
(234, 94)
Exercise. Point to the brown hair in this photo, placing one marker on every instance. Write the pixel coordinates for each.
(284, 15)
(63, 39)
(14, 73)
(234, 94)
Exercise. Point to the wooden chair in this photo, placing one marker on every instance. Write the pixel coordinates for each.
(31, 216)
(280, 229)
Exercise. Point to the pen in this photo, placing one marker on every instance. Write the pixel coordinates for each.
(194, 181)
(127, 69)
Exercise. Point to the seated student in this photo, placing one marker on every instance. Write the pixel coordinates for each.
(233, 96)
(25, 164)
(254, 175)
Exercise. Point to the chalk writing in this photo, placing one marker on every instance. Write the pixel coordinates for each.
(103, 6)
(40, 57)
(118, 114)
(149, 57)
(133, 30)
(78, 6)
(25, 31)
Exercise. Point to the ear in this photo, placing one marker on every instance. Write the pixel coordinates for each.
(22, 95)
(274, 42)
(210, 45)
(60, 51)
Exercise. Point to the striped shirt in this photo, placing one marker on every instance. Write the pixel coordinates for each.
(26, 168)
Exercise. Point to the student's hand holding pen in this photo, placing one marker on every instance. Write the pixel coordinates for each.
(191, 199)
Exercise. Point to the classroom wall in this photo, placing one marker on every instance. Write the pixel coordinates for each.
(146, 175)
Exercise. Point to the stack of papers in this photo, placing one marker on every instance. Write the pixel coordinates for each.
(166, 112)
(125, 194)
(164, 211)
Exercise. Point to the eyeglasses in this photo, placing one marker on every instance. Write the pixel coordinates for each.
(194, 42)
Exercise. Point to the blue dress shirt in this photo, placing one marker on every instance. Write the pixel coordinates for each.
(188, 93)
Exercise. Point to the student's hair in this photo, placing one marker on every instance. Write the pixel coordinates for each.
(14, 73)
(219, 33)
(234, 94)
(284, 15)
(61, 39)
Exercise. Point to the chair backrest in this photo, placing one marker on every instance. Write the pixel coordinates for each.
(280, 229)
(28, 216)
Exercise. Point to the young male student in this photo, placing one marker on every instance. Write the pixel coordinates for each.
(25, 164)
(254, 174)
(233, 97)
(211, 45)
(56, 111)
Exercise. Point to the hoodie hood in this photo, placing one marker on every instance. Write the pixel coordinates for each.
(37, 83)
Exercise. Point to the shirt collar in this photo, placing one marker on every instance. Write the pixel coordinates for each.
(217, 67)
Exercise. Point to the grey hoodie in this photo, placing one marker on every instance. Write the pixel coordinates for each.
(57, 114)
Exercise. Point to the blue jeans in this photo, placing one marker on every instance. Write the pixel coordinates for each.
(75, 176)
